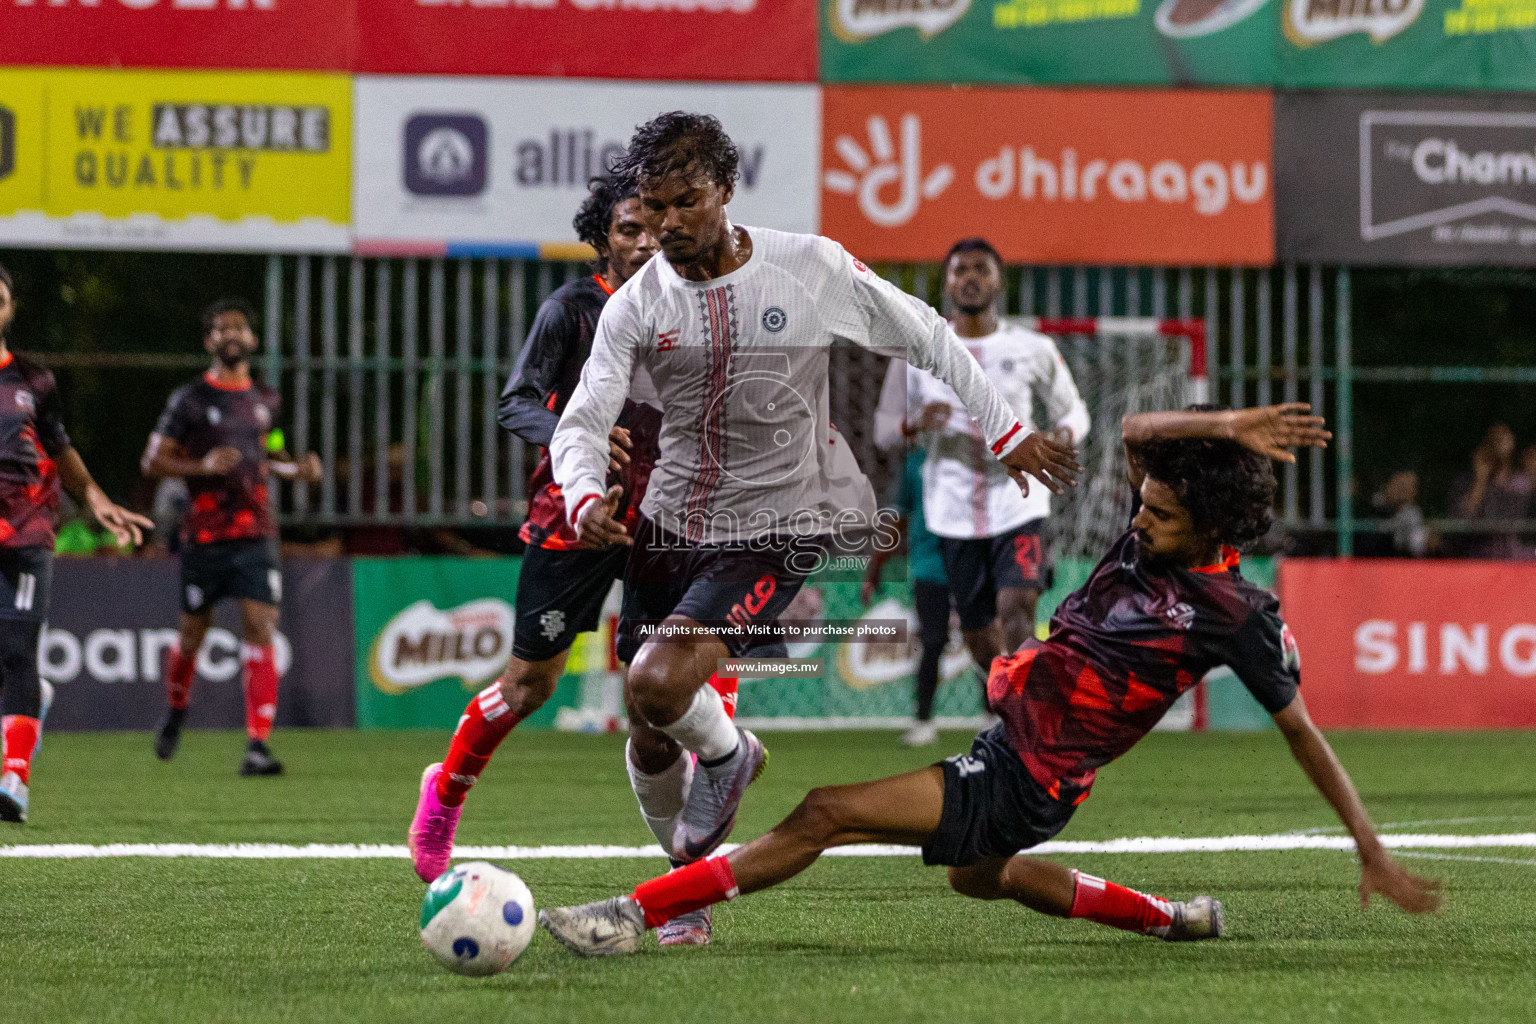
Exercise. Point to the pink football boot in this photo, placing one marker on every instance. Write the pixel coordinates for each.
(431, 835)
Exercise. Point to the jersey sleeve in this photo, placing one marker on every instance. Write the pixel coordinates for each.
(177, 419)
(1064, 407)
(50, 419)
(887, 320)
(550, 343)
(578, 448)
(1265, 657)
(891, 411)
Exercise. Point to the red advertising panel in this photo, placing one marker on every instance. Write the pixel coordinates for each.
(1050, 175)
(1414, 645)
(275, 34)
(698, 40)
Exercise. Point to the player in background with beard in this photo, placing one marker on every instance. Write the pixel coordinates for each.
(990, 536)
(1165, 606)
(219, 434)
(735, 325)
(562, 584)
(35, 459)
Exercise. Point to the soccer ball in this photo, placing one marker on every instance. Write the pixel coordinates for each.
(477, 918)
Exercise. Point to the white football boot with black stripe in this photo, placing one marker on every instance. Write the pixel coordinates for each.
(597, 929)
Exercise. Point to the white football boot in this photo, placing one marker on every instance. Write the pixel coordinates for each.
(597, 929)
(13, 798)
(710, 810)
(1199, 918)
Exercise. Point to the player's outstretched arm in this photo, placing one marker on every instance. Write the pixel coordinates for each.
(1379, 873)
(126, 527)
(1269, 430)
(164, 457)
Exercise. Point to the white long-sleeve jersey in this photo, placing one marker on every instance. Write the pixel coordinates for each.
(966, 493)
(740, 365)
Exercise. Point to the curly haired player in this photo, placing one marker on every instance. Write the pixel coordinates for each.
(1165, 606)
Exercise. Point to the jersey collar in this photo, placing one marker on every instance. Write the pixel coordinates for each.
(1229, 560)
(602, 282)
(211, 379)
(9, 356)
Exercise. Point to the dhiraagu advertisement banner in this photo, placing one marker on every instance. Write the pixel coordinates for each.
(213, 161)
(1436, 44)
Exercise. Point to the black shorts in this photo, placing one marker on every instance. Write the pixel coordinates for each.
(561, 594)
(993, 807)
(979, 568)
(26, 583)
(246, 568)
(725, 587)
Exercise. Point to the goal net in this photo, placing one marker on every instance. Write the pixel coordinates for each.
(1120, 365)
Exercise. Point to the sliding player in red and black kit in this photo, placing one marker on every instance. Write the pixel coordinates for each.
(1165, 606)
(35, 459)
(217, 433)
(561, 586)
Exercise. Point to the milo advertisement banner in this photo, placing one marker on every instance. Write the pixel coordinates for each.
(1456, 44)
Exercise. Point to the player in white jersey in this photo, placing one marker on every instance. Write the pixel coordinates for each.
(734, 325)
(990, 535)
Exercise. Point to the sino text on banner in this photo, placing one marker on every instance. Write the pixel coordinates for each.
(477, 166)
(175, 160)
(1049, 175)
(1382, 179)
(113, 619)
(1405, 44)
(1383, 648)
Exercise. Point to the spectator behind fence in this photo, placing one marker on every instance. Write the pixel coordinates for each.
(1495, 489)
(1406, 534)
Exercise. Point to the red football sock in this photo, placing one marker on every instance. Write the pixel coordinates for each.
(726, 687)
(1119, 907)
(20, 737)
(484, 725)
(179, 669)
(685, 890)
(260, 690)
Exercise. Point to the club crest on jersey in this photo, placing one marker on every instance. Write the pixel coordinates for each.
(666, 341)
(1181, 615)
(24, 400)
(214, 416)
(263, 416)
(774, 319)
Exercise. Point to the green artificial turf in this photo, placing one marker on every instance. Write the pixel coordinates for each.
(879, 939)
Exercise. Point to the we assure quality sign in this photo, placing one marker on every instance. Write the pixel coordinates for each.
(177, 160)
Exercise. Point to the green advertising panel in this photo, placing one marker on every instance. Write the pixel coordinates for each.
(1433, 44)
(430, 633)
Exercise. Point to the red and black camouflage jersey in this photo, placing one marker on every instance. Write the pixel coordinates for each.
(31, 437)
(202, 416)
(546, 374)
(1123, 647)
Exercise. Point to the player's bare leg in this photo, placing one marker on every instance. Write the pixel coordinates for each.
(1016, 616)
(1062, 892)
(258, 661)
(180, 666)
(523, 688)
(667, 686)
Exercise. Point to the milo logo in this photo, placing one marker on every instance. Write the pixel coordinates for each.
(1308, 22)
(422, 644)
(855, 20)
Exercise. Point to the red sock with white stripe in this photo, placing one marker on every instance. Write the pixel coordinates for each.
(726, 687)
(685, 890)
(179, 669)
(260, 678)
(1119, 907)
(485, 723)
(20, 739)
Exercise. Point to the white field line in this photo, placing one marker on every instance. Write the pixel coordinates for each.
(1143, 844)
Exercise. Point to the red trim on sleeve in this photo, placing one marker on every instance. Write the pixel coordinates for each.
(1229, 560)
(222, 386)
(997, 449)
(576, 512)
(9, 355)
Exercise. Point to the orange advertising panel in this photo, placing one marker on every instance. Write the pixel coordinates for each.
(1414, 645)
(1049, 175)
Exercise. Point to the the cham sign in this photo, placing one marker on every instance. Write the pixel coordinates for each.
(1384, 648)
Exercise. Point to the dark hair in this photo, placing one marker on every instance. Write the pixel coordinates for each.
(681, 143)
(973, 245)
(595, 215)
(230, 304)
(1225, 487)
